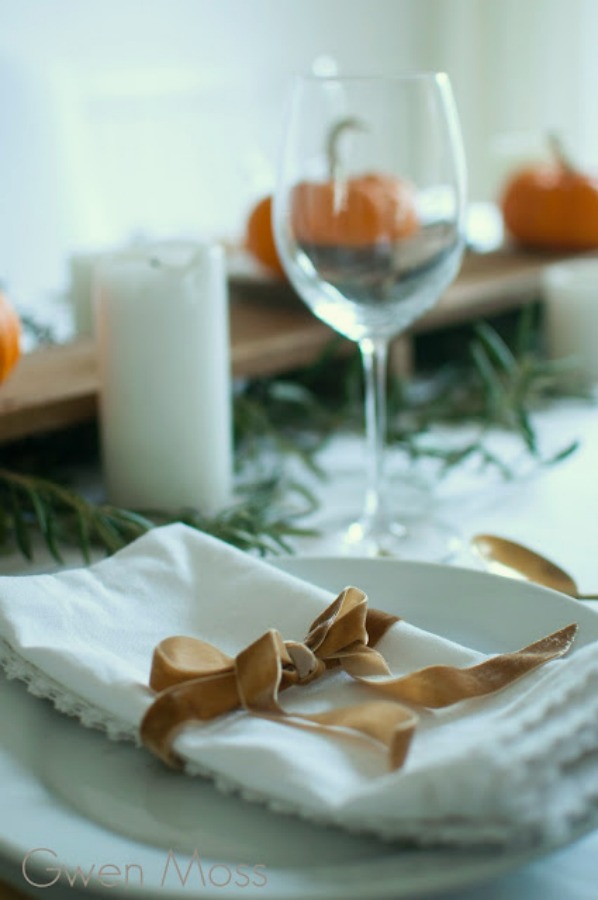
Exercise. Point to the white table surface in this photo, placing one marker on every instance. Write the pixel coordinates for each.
(554, 509)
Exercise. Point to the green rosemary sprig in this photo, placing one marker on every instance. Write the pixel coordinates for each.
(500, 388)
(262, 520)
(30, 504)
(282, 418)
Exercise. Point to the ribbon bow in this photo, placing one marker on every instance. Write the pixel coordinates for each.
(196, 681)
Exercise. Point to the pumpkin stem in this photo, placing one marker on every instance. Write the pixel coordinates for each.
(558, 151)
(332, 145)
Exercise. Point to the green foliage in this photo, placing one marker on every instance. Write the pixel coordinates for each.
(262, 520)
(280, 425)
(30, 504)
(500, 387)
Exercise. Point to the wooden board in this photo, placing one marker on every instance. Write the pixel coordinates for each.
(271, 332)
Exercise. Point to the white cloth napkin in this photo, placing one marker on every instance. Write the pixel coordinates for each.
(521, 765)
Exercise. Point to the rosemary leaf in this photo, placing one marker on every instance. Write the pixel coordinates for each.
(83, 535)
(524, 332)
(495, 347)
(493, 390)
(527, 432)
(563, 454)
(50, 538)
(21, 531)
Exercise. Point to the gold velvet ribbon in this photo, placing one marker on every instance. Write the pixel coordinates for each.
(196, 681)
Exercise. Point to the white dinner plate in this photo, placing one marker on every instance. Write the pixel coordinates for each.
(90, 802)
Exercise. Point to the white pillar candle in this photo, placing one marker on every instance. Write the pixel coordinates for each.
(165, 392)
(570, 291)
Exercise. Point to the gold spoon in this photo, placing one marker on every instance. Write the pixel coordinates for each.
(505, 557)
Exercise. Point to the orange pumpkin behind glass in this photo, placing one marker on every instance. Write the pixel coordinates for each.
(10, 338)
(359, 212)
(353, 212)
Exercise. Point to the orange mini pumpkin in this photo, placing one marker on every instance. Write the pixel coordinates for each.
(10, 337)
(357, 211)
(552, 206)
(259, 237)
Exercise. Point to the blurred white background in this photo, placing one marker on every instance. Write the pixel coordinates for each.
(161, 118)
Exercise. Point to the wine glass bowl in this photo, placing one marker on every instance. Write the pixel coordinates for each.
(369, 220)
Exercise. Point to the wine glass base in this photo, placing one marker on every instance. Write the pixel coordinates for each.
(427, 539)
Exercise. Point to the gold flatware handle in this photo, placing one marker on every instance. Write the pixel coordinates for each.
(505, 557)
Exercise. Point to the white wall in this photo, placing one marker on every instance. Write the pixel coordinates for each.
(519, 68)
(128, 116)
(163, 116)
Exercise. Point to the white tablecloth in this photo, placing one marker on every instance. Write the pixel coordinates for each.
(553, 508)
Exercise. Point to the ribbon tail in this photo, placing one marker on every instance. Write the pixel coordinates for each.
(390, 724)
(438, 686)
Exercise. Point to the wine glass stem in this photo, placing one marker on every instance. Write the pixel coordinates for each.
(374, 354)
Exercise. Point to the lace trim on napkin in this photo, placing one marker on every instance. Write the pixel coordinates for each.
(570, 746)
(41, 685)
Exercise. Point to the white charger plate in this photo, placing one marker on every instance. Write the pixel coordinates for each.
(92, 802)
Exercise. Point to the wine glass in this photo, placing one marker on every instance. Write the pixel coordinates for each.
(369, 221)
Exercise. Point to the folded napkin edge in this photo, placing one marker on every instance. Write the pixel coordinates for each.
(44, 687)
